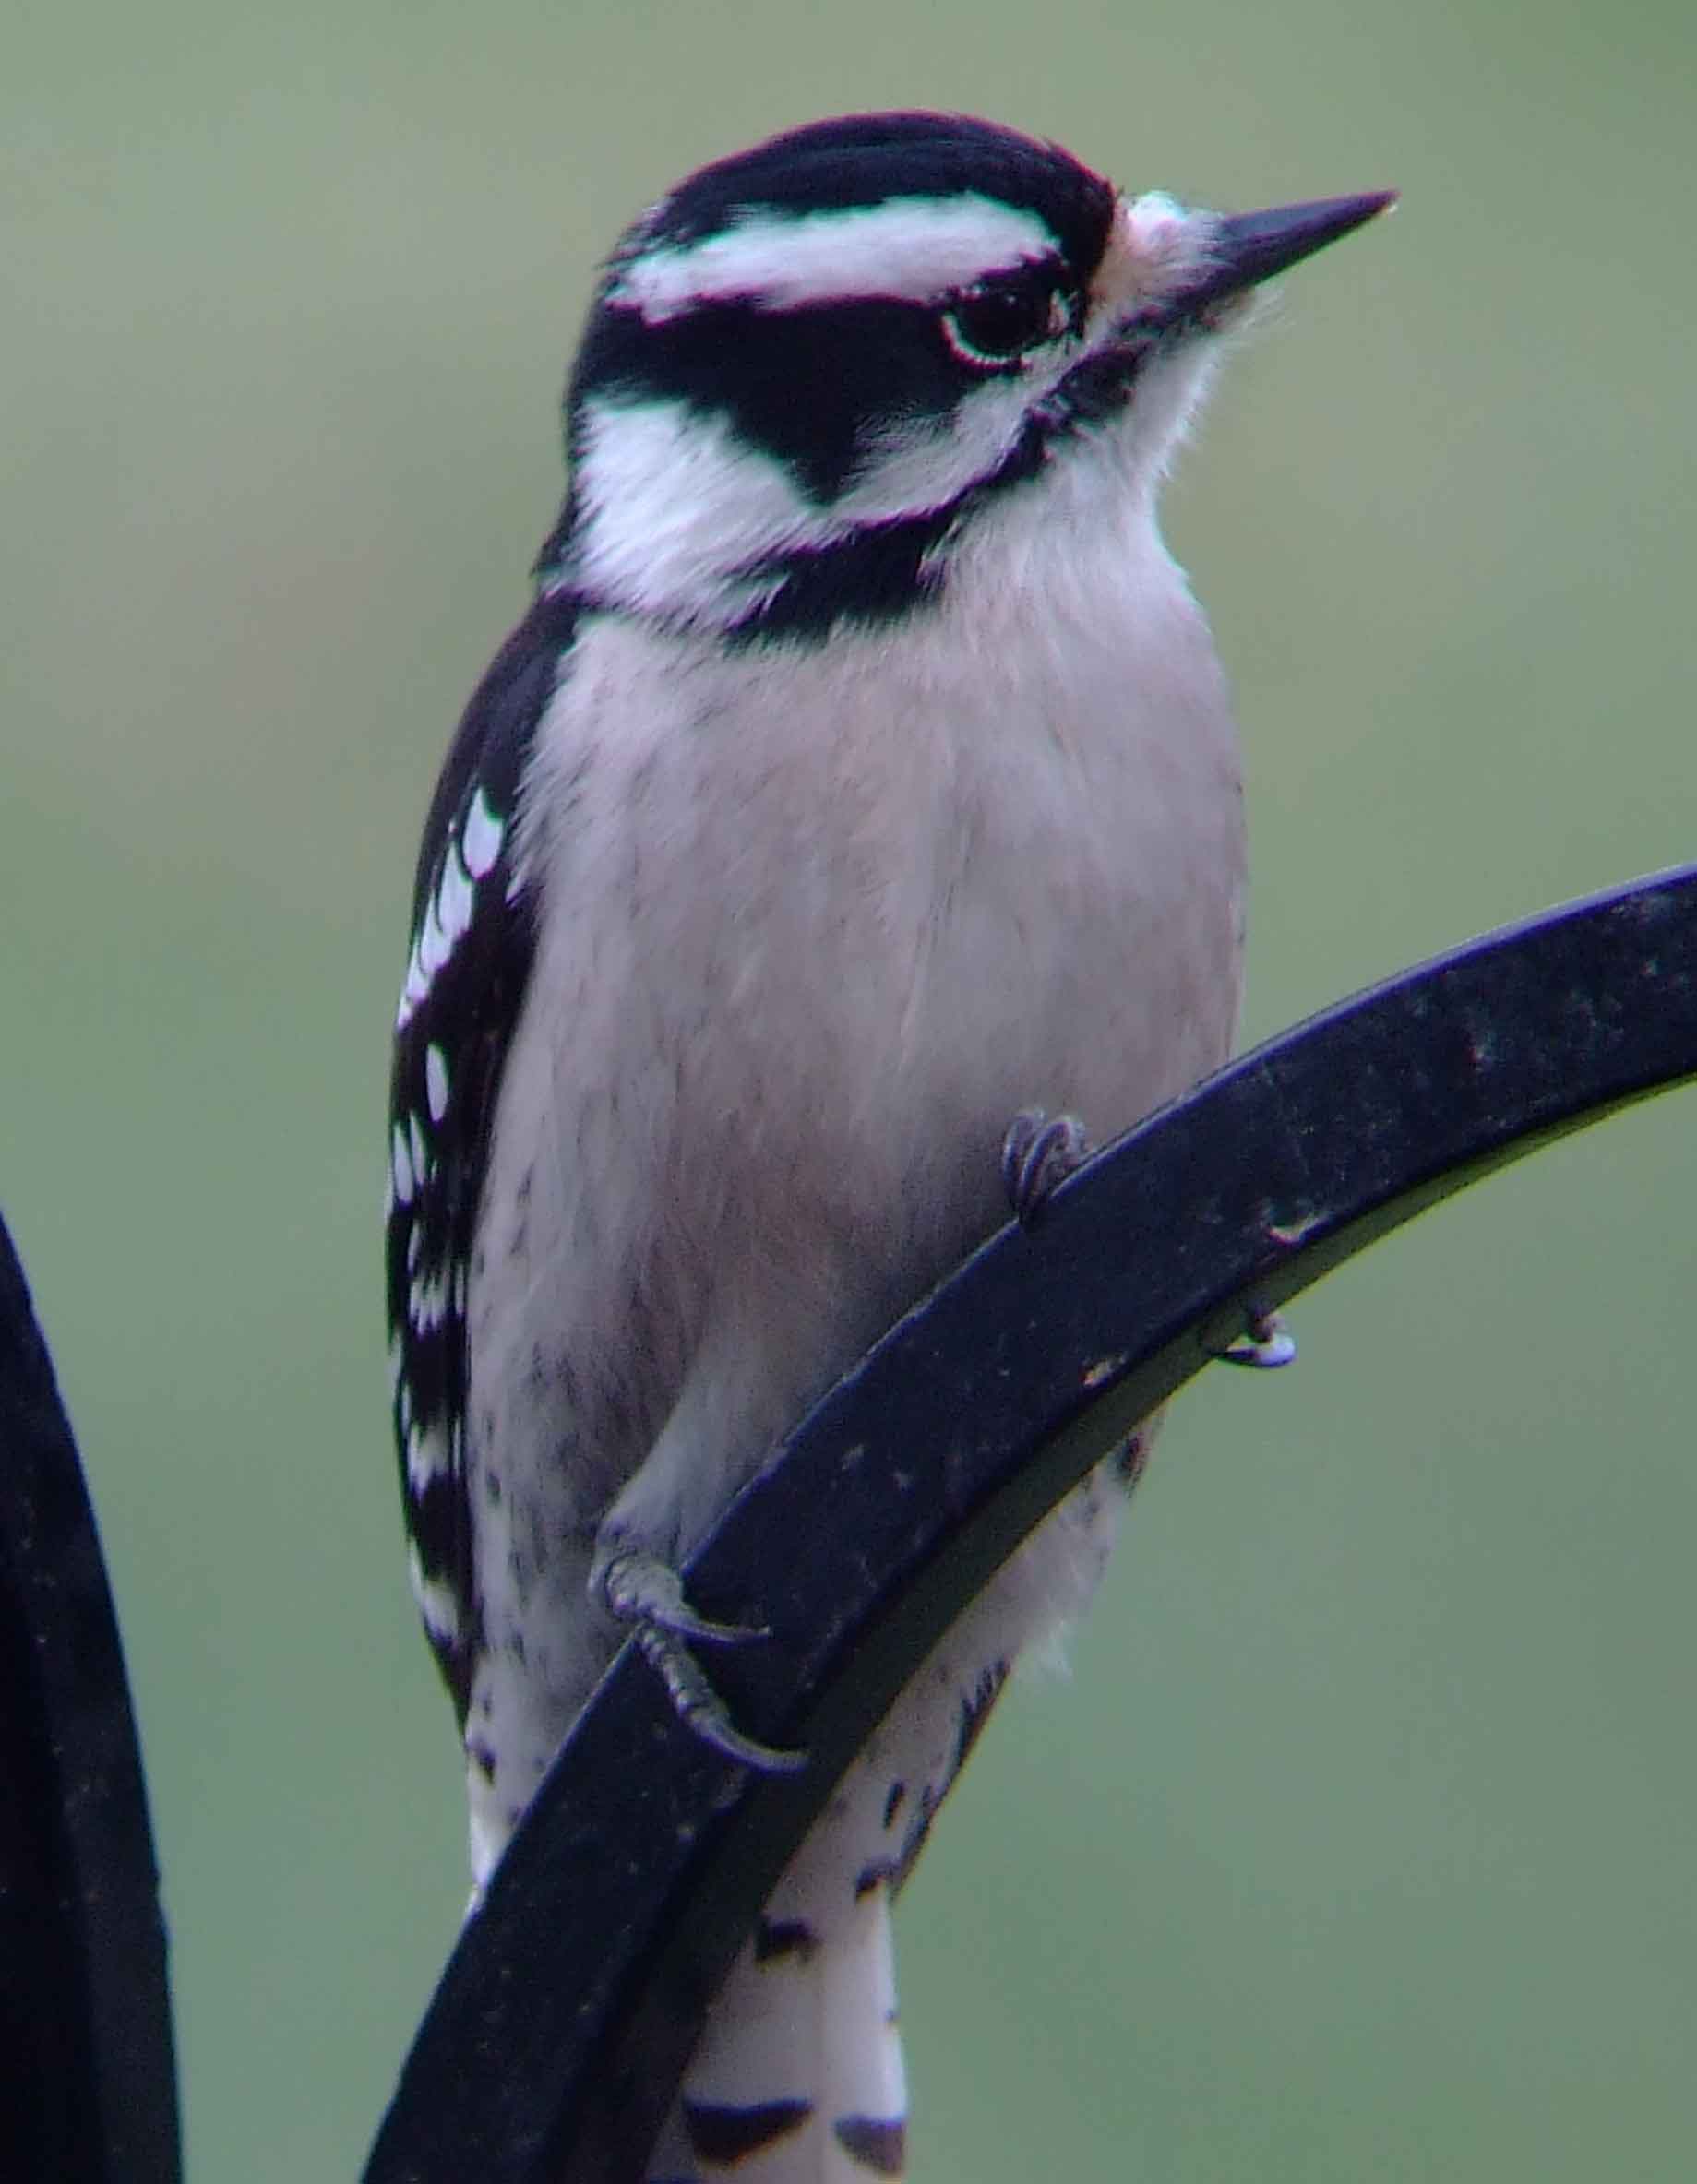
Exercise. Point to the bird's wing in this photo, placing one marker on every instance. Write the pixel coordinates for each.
(473, 937)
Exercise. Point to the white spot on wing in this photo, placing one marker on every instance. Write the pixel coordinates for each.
(417, 986)
(481, 841)
(453, 904)
(437, 1602)
(910, 247)
(427, 1457)
(427, 1302)
(432, 942)
(436, 1082)
(400, 1167)
(448, 916)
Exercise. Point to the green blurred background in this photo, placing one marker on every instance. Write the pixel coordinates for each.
(1358, 1842)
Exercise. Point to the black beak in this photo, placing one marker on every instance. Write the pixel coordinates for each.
(1250, 247)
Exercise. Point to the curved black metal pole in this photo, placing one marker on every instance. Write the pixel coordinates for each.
(88, 2082)
(644, 1859)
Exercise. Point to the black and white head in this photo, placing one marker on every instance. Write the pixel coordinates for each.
(817, 370)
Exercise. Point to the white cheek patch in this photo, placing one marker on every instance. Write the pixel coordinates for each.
(675, 507)
(913, 249)
(673, 502)
(919, 468)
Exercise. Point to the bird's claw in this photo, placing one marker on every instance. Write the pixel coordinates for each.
(640, 1588)
(647, 1592)
(700, 1707)
(1039, 1151)
(1265, 1343)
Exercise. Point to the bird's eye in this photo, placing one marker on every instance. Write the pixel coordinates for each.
(993, 325)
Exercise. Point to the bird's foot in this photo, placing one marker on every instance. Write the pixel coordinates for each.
(1039, 1151)
(648, 1593)
(1265, 1343)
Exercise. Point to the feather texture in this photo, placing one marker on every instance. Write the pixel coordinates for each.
(862, 775)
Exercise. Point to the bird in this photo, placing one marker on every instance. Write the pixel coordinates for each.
(852, 824)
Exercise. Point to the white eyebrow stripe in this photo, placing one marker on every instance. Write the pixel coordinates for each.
(911, 249)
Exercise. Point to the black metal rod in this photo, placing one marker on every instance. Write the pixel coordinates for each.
(88, 2081)
(564, 2016)
(556, 2036)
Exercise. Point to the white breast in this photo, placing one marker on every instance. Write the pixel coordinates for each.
(816, 922)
